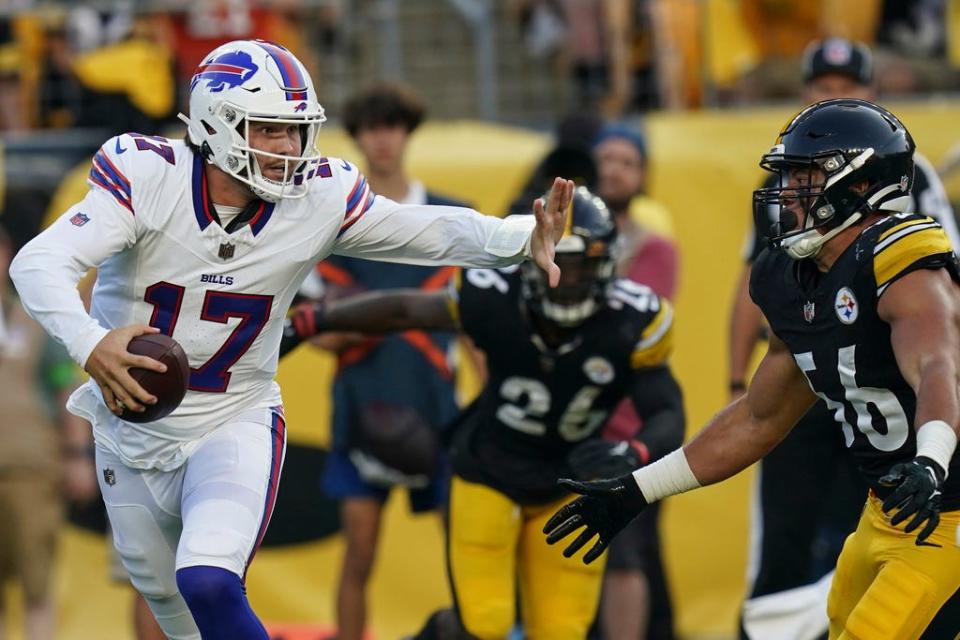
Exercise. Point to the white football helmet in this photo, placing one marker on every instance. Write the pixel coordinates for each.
(248, 81)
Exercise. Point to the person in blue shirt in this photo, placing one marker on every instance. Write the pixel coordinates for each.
(392, 395)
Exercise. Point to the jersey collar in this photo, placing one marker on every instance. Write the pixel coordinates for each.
(257, 212)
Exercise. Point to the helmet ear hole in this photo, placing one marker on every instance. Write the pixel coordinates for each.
(208, 127)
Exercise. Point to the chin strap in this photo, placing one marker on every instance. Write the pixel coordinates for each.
(807, 245)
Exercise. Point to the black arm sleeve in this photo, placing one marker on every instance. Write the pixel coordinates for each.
(659, 403)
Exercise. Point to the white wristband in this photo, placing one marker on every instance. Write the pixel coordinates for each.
(666, 477)
(937, 440)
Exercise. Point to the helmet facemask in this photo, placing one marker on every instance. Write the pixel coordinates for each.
(586, 270)
(817, 197)
(241, 159)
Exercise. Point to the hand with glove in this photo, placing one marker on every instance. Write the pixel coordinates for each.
(603, 509)
(597, 458)
(917, 493)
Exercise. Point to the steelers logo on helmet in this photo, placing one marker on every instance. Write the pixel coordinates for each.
(837, 162)
(247, 83)
(586, 255)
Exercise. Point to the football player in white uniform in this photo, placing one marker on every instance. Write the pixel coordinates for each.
(206, 240)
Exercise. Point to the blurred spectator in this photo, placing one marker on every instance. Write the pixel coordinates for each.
(12, 116)
(592, 40)
(203, 25)
(108, 70)
(636, 598)
(781, 29)
(387, 390)
(675, 31)
(33, 473)
(912, 48)
(649, 257)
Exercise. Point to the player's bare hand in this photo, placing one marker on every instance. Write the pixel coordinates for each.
(110, 363)
(551, 218)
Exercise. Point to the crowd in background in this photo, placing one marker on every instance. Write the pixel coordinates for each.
(125, 65)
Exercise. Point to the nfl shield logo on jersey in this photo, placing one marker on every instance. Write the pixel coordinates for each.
(809, 310)
(109, 476)
(226, 251)
(79, 219)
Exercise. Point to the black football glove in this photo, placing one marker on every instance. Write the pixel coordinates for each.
(603, 509)
(596, 458)
(917, 494)
(302, 323)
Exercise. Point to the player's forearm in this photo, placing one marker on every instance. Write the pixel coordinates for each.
(659, 402)
(731, 442)
(438, 235)
(379, 312)
(46, 279)
(938, 393)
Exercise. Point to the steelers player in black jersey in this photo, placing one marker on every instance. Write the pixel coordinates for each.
(864, 310)
(559, 360)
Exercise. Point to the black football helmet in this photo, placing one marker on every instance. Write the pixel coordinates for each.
(586, 255)
(823, 152)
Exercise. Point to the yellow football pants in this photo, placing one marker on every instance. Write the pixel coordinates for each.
(888, 588)
(494, 543)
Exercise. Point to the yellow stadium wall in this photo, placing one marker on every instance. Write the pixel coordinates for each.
(704, 169)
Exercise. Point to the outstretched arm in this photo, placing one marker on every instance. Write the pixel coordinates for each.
(748, 428)
(735, 438)
(923, 310)
(440, 235)
(374, 312)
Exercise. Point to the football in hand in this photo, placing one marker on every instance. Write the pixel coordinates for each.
(168, 387)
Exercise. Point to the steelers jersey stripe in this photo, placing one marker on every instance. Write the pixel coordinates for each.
(901, 232)
(656, 341)
(899, 227)
(927, 241)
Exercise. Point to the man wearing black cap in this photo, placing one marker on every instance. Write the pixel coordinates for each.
(808, 494)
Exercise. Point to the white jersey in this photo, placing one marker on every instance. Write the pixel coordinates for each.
(164, 260)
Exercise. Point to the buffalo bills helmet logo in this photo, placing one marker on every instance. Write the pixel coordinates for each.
(226, 71)
(300, 107)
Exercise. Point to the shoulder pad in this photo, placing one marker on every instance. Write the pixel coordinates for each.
(903, 241)
(128, 159)
(111, 169)
(656, 339)
(655, 321)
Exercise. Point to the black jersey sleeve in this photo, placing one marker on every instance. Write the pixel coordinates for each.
(659, 402)
(475, 295)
